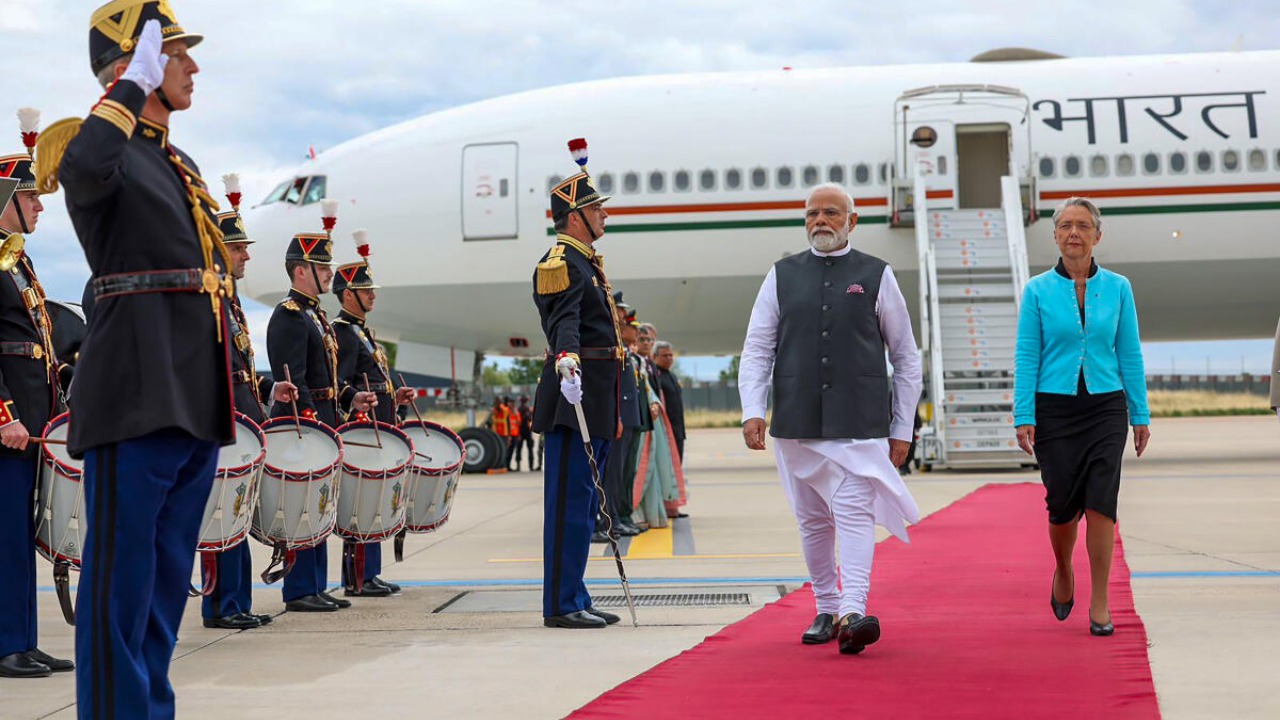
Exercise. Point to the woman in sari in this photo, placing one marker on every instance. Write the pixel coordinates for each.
(659, 486)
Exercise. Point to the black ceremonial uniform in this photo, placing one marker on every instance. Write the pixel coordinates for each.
(358, 356)
(152, 398)
(299, 336)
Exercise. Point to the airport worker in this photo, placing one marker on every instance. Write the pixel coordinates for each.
(1079, 383)
(498, 423)
(664, 356)
(230, 605)
(360, 357)
(1275, 373)
(513, 434)
(819, 329)
(301, 345)
(31, 382)
(526, 433)
(574, 302)
(152, 394)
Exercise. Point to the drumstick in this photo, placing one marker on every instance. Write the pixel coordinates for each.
(377, 436)
(293, 402)
(412, 404)
(47, 441)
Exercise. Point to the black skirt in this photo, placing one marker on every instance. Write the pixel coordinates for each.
(1079, 444)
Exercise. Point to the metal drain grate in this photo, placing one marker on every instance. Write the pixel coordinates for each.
(673, 600)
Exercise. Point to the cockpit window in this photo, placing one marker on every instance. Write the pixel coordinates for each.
(299, 191)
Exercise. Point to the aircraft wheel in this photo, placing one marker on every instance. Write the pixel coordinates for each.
(478, 449)
(498, 445)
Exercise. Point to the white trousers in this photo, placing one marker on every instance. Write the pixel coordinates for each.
(839, 491)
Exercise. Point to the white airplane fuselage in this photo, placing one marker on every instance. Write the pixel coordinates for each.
(456, 201)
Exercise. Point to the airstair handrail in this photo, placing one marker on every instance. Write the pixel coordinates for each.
(1016, 233)
(930, 320)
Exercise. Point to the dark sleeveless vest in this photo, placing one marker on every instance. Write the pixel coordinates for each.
(830, 379)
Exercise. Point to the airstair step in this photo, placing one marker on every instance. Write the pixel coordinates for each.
(961, 418)
(979, 397)
(975, 290)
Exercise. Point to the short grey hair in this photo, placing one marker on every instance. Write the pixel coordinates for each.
(830, 186)
(1085, 203)
(107, 75)
(649, 329)
(662, 345)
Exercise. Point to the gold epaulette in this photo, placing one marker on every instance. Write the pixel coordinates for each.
(50, 148)
(553, 273)
(291, 304)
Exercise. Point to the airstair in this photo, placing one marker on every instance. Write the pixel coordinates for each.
(973, 267)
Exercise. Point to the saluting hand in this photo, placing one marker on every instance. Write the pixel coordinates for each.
(284, 392)
(405, 395)
(753, 433)
(15, 436)
(364, 401)
(146, 68)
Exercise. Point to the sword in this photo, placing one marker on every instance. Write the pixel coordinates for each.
(595, 478)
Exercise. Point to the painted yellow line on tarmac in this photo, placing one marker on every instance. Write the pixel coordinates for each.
(632, 556)
(656, 543)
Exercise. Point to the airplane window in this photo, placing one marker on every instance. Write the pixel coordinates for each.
(942, 164)
(1230, 160)
(809, 176)
(707, 180)
(1047, 167)
(606, 182)
(733, 179)
(861, 174)
(657, 181)
(553, 181)
(884, 173)
(1124, 164)
(1278, 159)
(785, 177)
(294, 193)
(1098, 165)
(1071, 166)
(315, 190)
(278, 193)
(1257, 160)
(1204, 161)
(681, 181)
(835, 174)
(1150, 164)
(1177, 163)
(759, 179)
(631, 183)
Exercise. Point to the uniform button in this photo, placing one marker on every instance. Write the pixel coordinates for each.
(825, 360)
(826, 386)
(829, 263)
(826, 308)
(826, 284)
(826, 333)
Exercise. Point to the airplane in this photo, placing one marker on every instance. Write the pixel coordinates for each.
(709, 173)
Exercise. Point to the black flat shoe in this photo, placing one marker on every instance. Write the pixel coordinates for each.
(19, 665)
(1098, 629)
(821, 631)
(626, 529)
(394, 588)
(311, 603)
(55, 664)
(1060, 610)
(342, 604)
(239, 621)
(370, 589)
(262, 619)
(857, 632)
(575, 620)
(608, 617)
(599, 536)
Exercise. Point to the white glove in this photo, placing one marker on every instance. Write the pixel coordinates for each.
(566, 366)
(571, 389)
(147, 66)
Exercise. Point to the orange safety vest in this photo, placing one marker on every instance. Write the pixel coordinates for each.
(500, 414)
(513, 423)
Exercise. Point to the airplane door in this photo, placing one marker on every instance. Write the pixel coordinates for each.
(489, 192)
(932, 143)
(983, 151)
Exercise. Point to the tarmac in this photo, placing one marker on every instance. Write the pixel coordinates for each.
(1199, 515)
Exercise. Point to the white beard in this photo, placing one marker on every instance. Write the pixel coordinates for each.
(825, 243)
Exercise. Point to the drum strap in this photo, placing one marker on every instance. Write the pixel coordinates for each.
(282, 560)
(400, 536)
(33, 297)
(353, 556)
(62, 583)
(208, 573)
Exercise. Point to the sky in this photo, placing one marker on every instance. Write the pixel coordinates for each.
(280, 77)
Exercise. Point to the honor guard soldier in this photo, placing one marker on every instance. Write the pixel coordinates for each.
(229, 604)
(582, 366)
(29, 398)
(301, 346)
(152, 395)
(360, 359)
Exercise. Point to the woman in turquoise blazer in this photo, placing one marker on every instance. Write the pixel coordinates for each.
(1079, 384)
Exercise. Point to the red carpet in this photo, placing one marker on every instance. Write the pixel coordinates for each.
(967, 633)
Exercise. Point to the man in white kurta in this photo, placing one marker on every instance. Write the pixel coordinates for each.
(844, 434)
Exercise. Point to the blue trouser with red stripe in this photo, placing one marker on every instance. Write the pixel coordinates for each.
(144, 499)
(17, 556)
(569, 507)
(233, 592)
(309, 574)
(372, 563)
